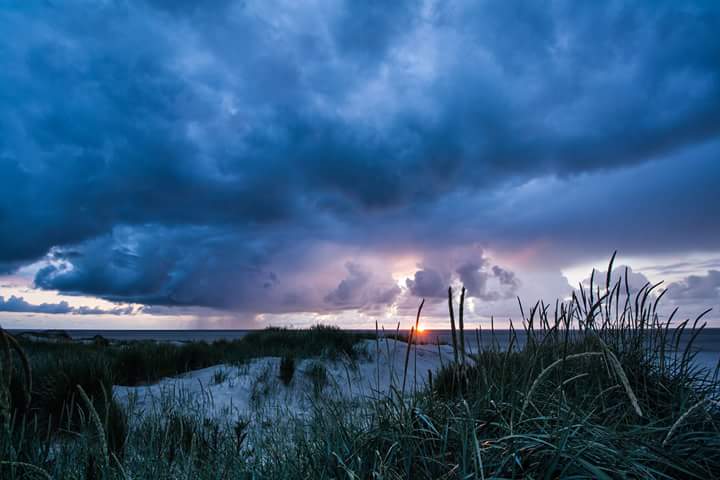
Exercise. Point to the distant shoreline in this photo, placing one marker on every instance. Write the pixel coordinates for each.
(707, 342)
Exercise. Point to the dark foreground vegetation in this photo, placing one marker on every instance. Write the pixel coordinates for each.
(600, 388)
(141, 362)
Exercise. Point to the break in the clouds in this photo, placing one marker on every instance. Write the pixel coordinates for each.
(275, 156)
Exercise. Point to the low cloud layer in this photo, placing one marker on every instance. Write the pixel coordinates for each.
(16, 304)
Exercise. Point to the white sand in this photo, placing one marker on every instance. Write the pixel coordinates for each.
(255, 386)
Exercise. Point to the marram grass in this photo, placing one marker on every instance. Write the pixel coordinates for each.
(600, 387)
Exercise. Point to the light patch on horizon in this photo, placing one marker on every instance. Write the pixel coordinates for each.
(139, 321)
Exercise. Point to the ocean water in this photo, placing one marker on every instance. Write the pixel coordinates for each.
(706, 344)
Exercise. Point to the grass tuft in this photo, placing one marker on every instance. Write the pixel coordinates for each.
(287, 369)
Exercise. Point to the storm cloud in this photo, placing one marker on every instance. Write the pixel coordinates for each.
(428, 283)
(697, 287)
(16, 304)
(356, 290)
(172, 154)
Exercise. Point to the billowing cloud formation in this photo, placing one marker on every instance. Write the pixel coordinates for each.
(172, 154)
(697, 287)
(628, 278)
(348, 288)
(475, 274)
(210, 267)
(20, 305)
(505, 277)
(356, 291)
(428, 283)
(189, 266)
(475, 278)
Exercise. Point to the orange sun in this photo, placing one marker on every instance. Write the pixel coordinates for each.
(420, 329)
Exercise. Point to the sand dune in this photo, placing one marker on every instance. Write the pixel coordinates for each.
(240, 389)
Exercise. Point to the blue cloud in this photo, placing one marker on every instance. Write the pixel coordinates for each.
(171, 154)
(20, 305)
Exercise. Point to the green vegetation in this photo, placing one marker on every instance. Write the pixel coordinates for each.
(219, 376)
(598, 389)
(327, 341)
(140, 362)
(287, 369)
(318, 376)
(51, 408)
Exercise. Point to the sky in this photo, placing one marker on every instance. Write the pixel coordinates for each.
(238, 164)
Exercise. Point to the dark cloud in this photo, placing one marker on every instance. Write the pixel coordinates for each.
(209, 267)
(506, 277)
(189, 266)
(20, 305)
(347, 289)
(687, 267)
(176, 155)
(697, 287)
(190, 7)
(9, 267)
(629, 278)
(428, 283)
(356, 290)
(387, 295)
(386, 21)
(129, 310)
(475, 277)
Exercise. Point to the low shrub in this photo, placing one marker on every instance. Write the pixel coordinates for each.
(317, 373)
(55, 382)
(319, 340)
(100, 341)
(219, 376)
(287, 369)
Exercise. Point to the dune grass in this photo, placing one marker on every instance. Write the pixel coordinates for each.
(140, 362)
(287, 369)
(599, 388)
